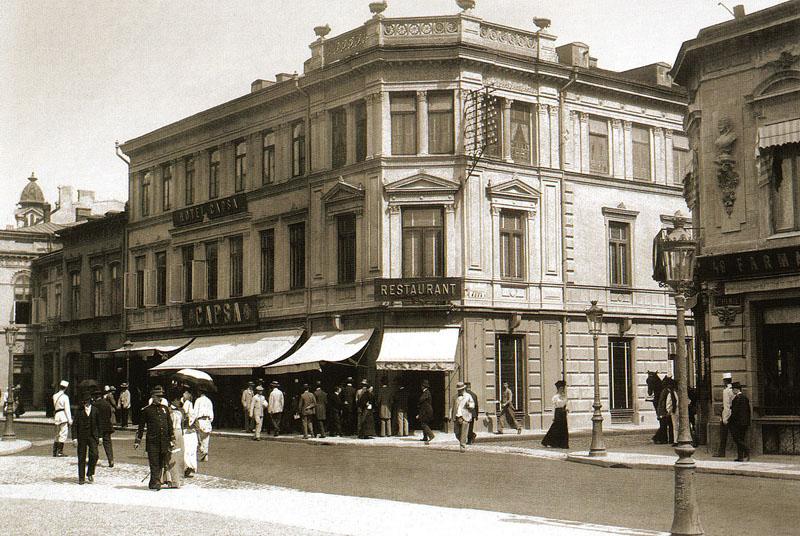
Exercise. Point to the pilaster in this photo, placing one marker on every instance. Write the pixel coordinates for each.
(422, 122)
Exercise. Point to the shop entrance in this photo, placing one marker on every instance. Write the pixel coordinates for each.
(780, 369)
(412, 381)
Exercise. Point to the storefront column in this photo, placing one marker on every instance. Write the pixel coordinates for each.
(422, 122)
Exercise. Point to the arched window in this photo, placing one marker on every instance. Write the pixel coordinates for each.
(22, 299)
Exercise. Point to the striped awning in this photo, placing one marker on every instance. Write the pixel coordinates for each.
(779, 134)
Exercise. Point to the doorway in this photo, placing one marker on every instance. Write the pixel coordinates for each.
(780, 369)
(620, 378)
(510, 367)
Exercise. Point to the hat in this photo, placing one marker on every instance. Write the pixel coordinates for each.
(726, 376)
(460, 386)
(273, 383)
(425, 383)
(350, 379)
(260, 388)
(64, 384)
(319, 383)
(305, 386)
(737, 385)
(123, 385)
(157, 390)
(561, 383)
(106, 389)
(251, 383)
(468, 384)
(112, 388)
(364, 382)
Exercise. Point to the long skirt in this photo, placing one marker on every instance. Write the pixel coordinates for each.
(558, 434)
(190, 450)
(173, 472)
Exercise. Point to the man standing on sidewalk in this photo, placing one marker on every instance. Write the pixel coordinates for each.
(256, 411)
(247, 399)
(86, 434)
(204, 416)
(335, 411)
(471, 432)
(275, 408)
(462, 415)
(160, 436)
(739, 422)
(305, 407)
(124, 404)
(348, 406)
(62, 418)
(321, 409)
(425, 412)
(105, 410)
(727, 398)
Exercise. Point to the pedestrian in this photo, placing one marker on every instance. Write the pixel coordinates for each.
(86, 435)
(247, 399)
(335, 411)
(471, 432)
(105, 411)
(19, 406)
(189, 436)
(321, 409)
(275, 407)
(358, 409)
(305, 407)
(400, 402)
(175, 470)
(366, 405)
(204, 416)
(462, 415)
(507, 411)
(425, 412)
(384, 404)
(739, 422)
(62, 418)
(160, 436)
(558, 434)
(668, 410)
(256, 411)
(691, 392)
(348, 406)
(110, 396)
(727, 398)
(124, 404)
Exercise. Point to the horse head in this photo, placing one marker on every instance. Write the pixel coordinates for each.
(653, 383)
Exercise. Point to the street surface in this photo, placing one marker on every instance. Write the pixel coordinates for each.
(483, 481)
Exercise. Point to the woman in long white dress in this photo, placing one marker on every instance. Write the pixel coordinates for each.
(189, 437)
(175, 467)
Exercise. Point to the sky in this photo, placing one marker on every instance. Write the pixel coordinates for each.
(79, 74)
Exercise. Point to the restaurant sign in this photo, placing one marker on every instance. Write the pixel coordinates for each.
(240, 312)
(216, 208)
(429, 290)
(749, 264)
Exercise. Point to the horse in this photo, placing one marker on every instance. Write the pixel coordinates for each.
(654, 387)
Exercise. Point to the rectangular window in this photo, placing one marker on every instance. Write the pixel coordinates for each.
(338, 138)
(161, 278)
(779, 373)
(187, 260)
(213, 174)
(22, 299)
(99, 290)
(785, 187)
(116, 288)
(361, 131)
(189, 182)
(166, 188)
(235, 245)
(510, 368)
(619, 250)
(298, 149)
(681, 158)
(346, 247)
(441, 137)
(641, 152)
(512, 245)
(144, 196)
(521, 128)
(268, 158)
(423, 242)
(75, 294)
(140, 265)
(240, 167)
(620, 374)
(267, 261)
(212, 269)
(404, 124)
(297, 255)
(598, 145)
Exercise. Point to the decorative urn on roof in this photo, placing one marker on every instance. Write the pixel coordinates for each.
(322, 31)
(377, 8)
(466, 5)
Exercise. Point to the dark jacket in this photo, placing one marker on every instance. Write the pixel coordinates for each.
(401, 399)
(366, 398)
(740, 412)
(349, 397)
(85, 426)
(157, 420)
(322, 404)
(334, 403)
(105, 411)
(425, 407)
(475, 400)
(307, 403)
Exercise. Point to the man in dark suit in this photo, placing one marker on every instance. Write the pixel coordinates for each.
(739, 422)
(335, 411)
(105, 411)
(471, 430)
(86, 433)
(425, 412)
(160, 436)
(348, 406)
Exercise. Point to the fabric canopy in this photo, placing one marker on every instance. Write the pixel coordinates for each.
(418, 349)
(779, 134)
(164, 346)
(323, 347)
(233, 354)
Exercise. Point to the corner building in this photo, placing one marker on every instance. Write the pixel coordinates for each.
(330, 225)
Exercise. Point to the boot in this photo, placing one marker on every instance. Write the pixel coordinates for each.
(60, 452)
(55, 449)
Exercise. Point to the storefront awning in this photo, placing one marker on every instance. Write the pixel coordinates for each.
(164, 346)
(779, 134)
(323, 347)
(418, 349)
(233, 354)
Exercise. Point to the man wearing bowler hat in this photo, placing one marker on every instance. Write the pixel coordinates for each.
(739, 422)
(727, 398)
(425, 412)
(124, 404)
(160, 436)
(348, 405)
(86, 434)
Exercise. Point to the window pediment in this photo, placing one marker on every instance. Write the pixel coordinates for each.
(514, 194)
(422, 188)
(342, 198)
(780, 83)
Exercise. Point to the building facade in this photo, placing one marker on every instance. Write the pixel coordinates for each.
(372, 223)
(744, 126)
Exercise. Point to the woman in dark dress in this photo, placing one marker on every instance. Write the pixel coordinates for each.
(558, 434)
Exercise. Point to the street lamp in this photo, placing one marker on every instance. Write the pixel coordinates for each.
(674, 268)
(127, 345)
(11, 339)
(594, 315)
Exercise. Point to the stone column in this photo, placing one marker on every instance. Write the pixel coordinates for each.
(395, 242)
(555, 137)
(495, 243)
(617, 149)
(544, 136)
(360, 242)
(422, 122)
(350, 113)
(384, 123)
(532, 272)
(576, 140)
(670, 164)
(373, 127)
(659, 165)
(452, 237)
(506, 137)
(627, 128)
(585, 155)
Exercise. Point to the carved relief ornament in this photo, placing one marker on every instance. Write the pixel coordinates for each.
(727, 176)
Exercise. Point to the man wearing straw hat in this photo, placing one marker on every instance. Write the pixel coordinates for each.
(62, 418)
(727, 398)
(160, 436)
(124, 404)
(462, 415)
(204, 416)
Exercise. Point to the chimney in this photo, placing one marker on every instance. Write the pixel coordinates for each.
(283, 77)
(738, 11)
(260, 84)
(575, 54)
(592, 62)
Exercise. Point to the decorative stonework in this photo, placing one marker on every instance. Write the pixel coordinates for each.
(726, 315)
(727, 177)
(344, 45)
(415, 29)
(784, 61)
(511, 85)
(508, 37)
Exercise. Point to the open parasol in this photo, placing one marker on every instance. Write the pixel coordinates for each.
(196, 378)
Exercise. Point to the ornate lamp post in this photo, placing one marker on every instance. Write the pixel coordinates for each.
(594, 315)
(127, 345)
(11, 339)
(674, 268)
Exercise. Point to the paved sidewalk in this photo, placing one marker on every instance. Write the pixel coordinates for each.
(13, 447)
(51, 479)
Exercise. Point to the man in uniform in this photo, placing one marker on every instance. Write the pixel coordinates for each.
(105, 410)
(348, 406)
(247, 399)
(124, 404)
(160, 436)
(86, 433)
(727, 398)
(204, 416)
(471, 432)
(62, 418)
(275, 407)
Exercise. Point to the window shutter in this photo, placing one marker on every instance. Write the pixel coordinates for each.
(149, 288)
(199, 282)
(176, 290)
(130, 290)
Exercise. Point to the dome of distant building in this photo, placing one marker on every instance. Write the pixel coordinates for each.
(31, 193)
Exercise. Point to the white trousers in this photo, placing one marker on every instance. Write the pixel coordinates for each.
(62, 432)
(203, 438)
(190, 450)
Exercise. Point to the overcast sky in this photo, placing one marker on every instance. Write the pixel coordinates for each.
(78, 75)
